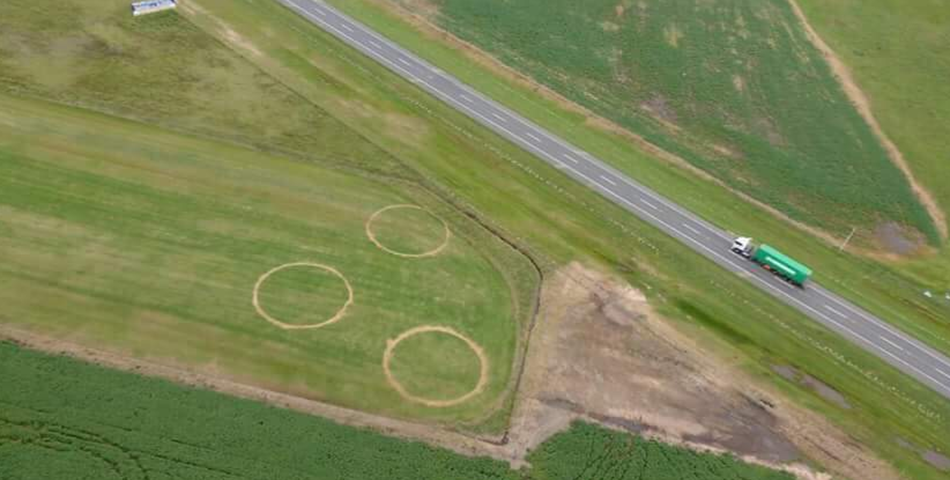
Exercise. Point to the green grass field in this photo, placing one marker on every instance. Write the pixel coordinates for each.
(151, 244)
(533, 206)
(68, 419)
(733, 87)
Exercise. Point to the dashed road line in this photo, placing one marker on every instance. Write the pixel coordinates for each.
(836, 312)
(882, 337)
(692, 229)
(608, 180)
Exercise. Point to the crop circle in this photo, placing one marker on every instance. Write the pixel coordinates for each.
(432, 252)
(289, 326)
(476, 349)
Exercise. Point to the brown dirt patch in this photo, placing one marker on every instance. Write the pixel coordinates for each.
(602, 354)
(368, 226)
(863, 105)
(288, 326)
(476, 349)
(893, 238)
(935, 459)
(823, 390)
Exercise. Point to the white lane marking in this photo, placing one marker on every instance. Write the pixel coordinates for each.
(404, 61)
(608, 180)
(569, 157)
(832, 310)
(692, 229)
(499, 117)
(320, 12)
(532, 137)
(375, 45)
(346, 27)
(464, 97)
(879, 323)
(943, 373)
(882, 337)
(632, 205)
(649, 204)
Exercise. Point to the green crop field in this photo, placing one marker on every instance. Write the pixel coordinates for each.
(68, 419)
(372, 121)
(153, 244)
(899, 53)
(734, 87)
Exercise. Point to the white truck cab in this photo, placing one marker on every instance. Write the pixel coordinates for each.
(743, 246)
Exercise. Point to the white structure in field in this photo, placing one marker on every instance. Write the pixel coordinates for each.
(152, 6)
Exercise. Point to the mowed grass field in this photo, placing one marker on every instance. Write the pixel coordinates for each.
(733, 87)
(899, 53)
(150, 244)
(70, 419)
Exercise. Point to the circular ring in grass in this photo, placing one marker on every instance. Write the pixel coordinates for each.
(408, 231)
(433, 366)
(303, 280)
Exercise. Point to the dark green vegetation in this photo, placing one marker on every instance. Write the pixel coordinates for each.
(587, 452)
(732, 86)
(899, 53)
(65, 418)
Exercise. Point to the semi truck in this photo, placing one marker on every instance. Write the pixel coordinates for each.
(772, 260)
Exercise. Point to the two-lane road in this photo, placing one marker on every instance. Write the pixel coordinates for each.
(871, 333)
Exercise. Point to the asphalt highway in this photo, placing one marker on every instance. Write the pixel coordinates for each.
(873, 334)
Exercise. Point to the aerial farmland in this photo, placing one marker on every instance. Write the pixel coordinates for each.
(237, 243)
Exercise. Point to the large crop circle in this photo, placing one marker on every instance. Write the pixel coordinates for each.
(290, 326)
(434, 250)
(474, 347)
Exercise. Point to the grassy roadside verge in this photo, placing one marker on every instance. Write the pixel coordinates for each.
(558, 220)
(886, 290)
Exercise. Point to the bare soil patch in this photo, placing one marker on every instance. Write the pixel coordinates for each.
(823, 390)
(476, 349)
(601, 353)
(893, 238)
(863, 105)
(935, 459)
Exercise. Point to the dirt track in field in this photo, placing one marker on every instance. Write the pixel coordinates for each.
(863, 105)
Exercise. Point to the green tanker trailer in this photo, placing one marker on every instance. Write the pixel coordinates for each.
(773, 260)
